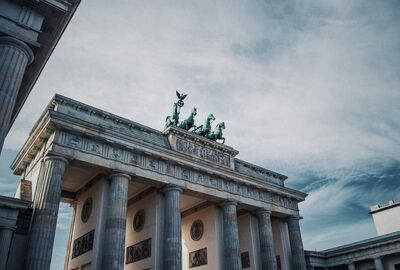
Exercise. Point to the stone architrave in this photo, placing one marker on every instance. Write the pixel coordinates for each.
(114, 242)
(172, 232)
(231, 236)
(15, 56)
(268, 259)
(296, 244)
(46, 204)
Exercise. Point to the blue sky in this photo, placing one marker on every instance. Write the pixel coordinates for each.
(307, 88)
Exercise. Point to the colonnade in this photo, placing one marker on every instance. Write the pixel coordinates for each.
(46, 207)
(377, 262)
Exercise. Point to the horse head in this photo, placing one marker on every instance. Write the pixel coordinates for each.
(210, 118)
(194, 111)
(220, 126)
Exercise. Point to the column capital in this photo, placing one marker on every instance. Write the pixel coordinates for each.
(57, 158)
(294, 218)
(261, 211)
(171, 187)
(114, 174)
(20, 44)
(228, 202)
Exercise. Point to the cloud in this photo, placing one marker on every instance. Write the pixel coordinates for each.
(306, 88)
(340, 200)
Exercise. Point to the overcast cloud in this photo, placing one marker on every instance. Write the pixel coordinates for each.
(306, 88)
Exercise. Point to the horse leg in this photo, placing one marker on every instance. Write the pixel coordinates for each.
(223, 140)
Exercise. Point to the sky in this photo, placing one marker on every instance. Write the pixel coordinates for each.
(310, 89)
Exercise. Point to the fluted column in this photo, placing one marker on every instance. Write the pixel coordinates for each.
(296, 244)
(6, 233)
(231, 236)
(71, 232)
(268, 259)
(351, 266)
(114, 242)
(172, 232)
(15, 56)
(46, 204)
(378, 264)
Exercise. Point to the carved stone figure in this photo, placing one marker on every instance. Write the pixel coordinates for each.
(188, 123)
(217, 133)
(205, 129)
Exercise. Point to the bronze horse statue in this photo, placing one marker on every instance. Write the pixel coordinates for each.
(217, 133)
(205, 129)
(188, 123)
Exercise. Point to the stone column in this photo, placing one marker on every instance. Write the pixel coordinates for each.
(268, 259)
(231, 236)
(71, 232)
(6, 233)
(296, 244)
(351, 266)
(114, 242)
(378, 264)
(46, 204)
(172, 232)
(15, 56)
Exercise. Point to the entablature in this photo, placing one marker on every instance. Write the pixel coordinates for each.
(88, 130)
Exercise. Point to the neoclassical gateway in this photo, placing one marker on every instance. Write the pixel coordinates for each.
(145, 199)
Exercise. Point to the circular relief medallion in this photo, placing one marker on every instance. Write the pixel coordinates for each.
(138, 220)
(197, 229)
(86, 210)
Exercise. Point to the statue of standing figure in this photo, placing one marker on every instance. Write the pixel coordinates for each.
(173, 119)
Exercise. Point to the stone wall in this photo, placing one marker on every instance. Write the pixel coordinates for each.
(98, 193)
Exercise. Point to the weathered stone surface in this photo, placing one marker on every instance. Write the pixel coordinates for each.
(267, 253)
(378, 264)
(132, 157)
(231, 237)
(172, 231)
(114, 243)
(296, 244)
(15, 56)
(6, 233)
(46, 204)
(351, 266)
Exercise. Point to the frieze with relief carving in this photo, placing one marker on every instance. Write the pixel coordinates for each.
(202, 152)
(134, 158)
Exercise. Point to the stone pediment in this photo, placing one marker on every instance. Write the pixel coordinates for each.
(200, 147)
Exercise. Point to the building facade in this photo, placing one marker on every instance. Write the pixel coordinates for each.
(386, 217)
(377, 253)
(29, 32)
(145, 199)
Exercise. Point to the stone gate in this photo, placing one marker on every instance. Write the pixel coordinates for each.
(145, 199)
